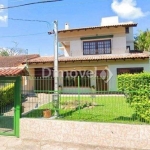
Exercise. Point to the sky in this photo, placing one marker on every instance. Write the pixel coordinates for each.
(33, 36)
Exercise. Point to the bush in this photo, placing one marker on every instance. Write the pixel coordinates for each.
(6, 95)
(137, 91)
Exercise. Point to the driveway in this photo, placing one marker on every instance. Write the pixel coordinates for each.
(12, 143)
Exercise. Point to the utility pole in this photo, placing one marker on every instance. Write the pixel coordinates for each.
(56, 96)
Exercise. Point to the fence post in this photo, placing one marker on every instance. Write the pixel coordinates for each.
(79, 94)
(17, 105)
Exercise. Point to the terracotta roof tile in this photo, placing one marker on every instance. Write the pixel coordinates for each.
(14, 61)
(129, 24)
(13, 71)
(91, 57)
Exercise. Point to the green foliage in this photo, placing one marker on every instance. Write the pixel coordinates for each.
(4, 53)
(6, 95)
(137, 91)
(142, 41)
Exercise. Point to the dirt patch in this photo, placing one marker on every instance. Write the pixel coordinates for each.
(76, 104)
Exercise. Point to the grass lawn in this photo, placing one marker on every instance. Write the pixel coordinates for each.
(110, 108)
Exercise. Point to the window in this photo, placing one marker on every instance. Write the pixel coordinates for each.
(127, 29)
(129, 70)
(71, 79)
(97, 47)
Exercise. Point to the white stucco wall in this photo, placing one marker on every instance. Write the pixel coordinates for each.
(119, 44)
(130, 38)
(76, 90)
(113, 70)
(28, 82)
(119, 41)
(66, 52)
(76, 48)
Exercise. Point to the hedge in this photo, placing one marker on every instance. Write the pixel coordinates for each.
(6, 95)
(137, 90)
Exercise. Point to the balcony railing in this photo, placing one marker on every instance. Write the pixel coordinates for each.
(135, 51)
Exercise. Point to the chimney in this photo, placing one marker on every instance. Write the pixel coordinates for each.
(109, 20)
(66, 26)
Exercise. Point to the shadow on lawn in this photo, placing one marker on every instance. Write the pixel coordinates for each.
(36, 113)
(70, 112)
(134, 117)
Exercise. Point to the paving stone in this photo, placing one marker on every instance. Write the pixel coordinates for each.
(12, 143)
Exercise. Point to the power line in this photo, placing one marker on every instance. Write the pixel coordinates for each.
(41, 21)
(48, 1)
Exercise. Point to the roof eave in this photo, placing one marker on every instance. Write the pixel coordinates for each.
(98, 27)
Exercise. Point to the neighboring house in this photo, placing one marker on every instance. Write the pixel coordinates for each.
(106, 51)
(13, 66)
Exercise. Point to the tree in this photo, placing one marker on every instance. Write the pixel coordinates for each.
(3, 52)
(142, 40)
(12, 51)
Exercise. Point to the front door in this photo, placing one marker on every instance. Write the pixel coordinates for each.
(10, 96)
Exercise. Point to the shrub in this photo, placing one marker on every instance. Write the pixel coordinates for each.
(6, 95)
(137, 91)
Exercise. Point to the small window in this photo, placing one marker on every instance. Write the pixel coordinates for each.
(127, 29)
(129, 70)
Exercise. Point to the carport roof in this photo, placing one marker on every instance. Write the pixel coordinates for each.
(13, 71)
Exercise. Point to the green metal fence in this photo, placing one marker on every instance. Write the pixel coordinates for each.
(10, 105)
(81, 102)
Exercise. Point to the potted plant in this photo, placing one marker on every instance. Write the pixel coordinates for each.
(47, 113)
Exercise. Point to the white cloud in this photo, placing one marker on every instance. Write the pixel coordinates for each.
(3, 18)
(127, 9)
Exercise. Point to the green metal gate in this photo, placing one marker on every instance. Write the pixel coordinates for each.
(10, 101)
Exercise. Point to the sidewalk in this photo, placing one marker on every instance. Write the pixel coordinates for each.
(12, 143)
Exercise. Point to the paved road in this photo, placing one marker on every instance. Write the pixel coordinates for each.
(12, 143)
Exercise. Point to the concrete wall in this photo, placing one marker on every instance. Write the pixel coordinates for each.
(76, 90)
(89, 133)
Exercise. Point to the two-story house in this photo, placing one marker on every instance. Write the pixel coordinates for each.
(96, 54)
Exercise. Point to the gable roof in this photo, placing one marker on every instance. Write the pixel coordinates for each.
(128, 24)
(90, 58)
(14, 61)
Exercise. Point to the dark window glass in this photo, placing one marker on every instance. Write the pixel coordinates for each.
(129, 70)
(127, 29)
(97, 47)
